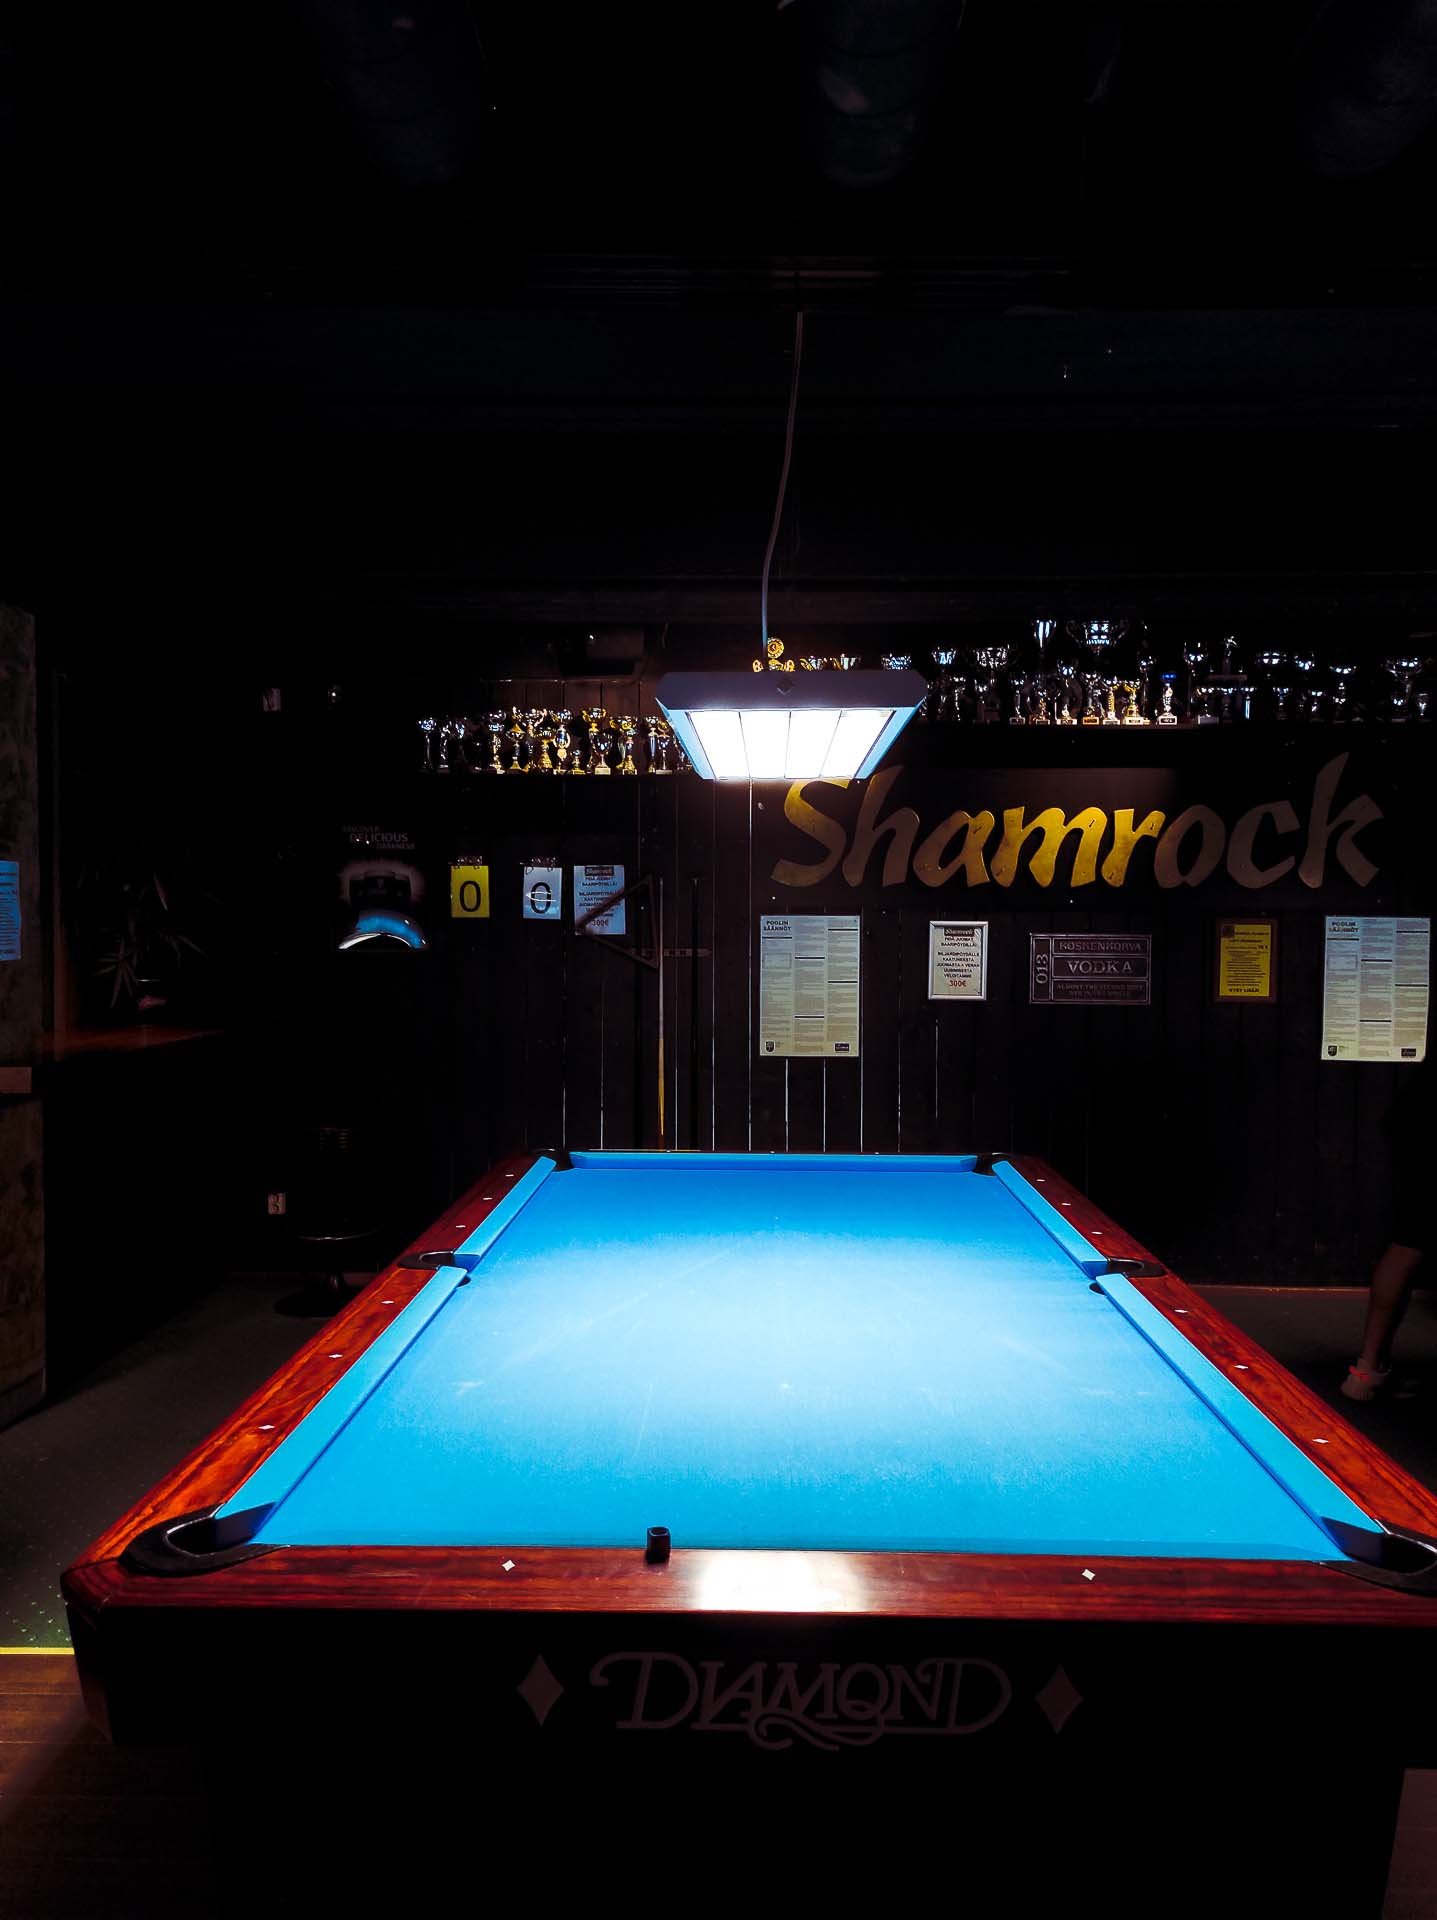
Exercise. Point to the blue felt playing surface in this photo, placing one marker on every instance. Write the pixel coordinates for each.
(828, 1353)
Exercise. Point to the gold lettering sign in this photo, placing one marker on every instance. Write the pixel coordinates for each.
(1260, 848)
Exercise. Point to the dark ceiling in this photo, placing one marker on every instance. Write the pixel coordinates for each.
(333, 303)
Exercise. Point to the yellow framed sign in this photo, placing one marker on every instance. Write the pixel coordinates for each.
(1245, 965)
(468, 891)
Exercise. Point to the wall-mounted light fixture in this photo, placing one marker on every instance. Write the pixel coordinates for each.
(749, 726)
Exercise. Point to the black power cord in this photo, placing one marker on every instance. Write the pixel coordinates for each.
(783, 477)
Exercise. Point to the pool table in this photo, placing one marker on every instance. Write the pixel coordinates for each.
(917, 1464)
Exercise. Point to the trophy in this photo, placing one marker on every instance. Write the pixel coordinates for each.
(1147, 666)
(811, 663)
(1271, 665)
(1096, 639)
(773, 660)
(627, 725)
(1307, 695)
(494, 726)
(1040, 716)
(544, 726)
(600, 740)
(1132, 715)
(993, 661)
(683, 763)
(660, 739)
(1045, 632)
(842, 662)
(451, 732)
(517, 731)
(942, 701)
(563, 740)
(1018, 692)
(1167, 718)
(536, 758)
(1231, 684)
(1422, 700)
(1067, 694)
(1342, 673)
(1403, 672)
(1199, 698)
(896, 662)
(428, 728)
(1111, 716)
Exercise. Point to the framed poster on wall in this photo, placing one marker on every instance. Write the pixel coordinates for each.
(1245, 961)
(1090, 969)
(957, 959)
(808, 986)
(1375, 988)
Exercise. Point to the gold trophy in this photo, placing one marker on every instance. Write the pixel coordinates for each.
(1132, 713)
(627, 725)
(544, 727)
(597, 720)
(515, 731)
(660, 740)
(1110, 708)
(773, 660)
(563, 740)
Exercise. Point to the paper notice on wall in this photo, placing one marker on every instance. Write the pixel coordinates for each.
(543, 896)
(808, 985)
(9, 910)
(1246, 952)
(592, 887)
(957, 959)
(1374, 988)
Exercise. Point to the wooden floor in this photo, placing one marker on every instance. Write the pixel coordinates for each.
(89, 1833)
(1412, 1883)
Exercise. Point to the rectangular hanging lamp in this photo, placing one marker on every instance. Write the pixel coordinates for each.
(789, 726)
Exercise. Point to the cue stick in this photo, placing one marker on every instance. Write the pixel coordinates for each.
(693, 1014)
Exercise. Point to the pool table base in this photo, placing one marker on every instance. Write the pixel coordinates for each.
(1086, 1760)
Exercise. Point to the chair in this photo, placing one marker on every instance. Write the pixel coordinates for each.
(332, 1212)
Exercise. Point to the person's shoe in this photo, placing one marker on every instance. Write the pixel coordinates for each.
(1365, 1383)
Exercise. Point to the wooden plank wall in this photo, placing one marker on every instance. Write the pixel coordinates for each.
(1214, 1132)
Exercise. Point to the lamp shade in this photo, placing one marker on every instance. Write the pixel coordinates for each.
(373, 926)
(789, 726)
